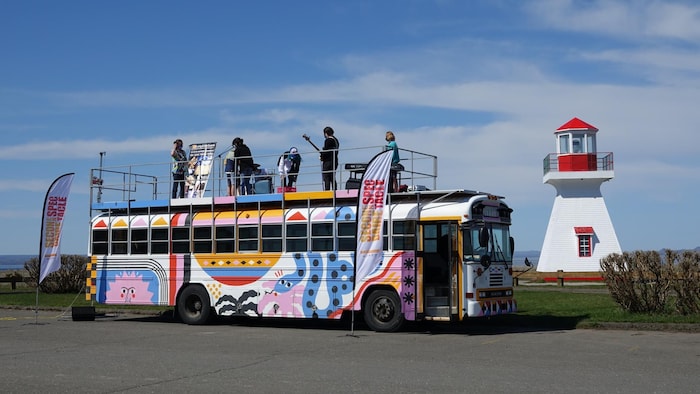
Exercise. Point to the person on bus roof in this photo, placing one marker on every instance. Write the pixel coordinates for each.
(230, 170)
(244, 164)
(329, 158)
(395, 159)
(288, 166)
(179, 158)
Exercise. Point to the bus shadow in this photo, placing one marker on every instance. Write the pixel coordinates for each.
(506, 324)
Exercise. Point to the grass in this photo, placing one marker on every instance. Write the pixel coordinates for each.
(26, 297)
(586, 309)
(555, 308)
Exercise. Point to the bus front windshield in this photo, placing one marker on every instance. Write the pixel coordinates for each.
(498, 247)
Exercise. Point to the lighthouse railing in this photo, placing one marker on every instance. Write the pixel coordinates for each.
(604, 161)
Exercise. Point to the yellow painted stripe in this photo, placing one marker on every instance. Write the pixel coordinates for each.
(437, 218)
(204, 216)
(298, 196)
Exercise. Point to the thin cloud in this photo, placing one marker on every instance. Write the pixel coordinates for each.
(629, 20)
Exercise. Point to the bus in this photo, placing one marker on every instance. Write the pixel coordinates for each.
(446, 255)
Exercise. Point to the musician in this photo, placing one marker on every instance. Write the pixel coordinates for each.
(244, 164)
(329, 158)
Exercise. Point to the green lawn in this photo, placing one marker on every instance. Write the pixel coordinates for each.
(24, 297)
(585, 309)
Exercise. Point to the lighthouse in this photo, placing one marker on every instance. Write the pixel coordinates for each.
(580, 231)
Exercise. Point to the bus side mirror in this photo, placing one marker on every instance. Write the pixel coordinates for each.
(512, 245)
(527, 262)
(484, 237)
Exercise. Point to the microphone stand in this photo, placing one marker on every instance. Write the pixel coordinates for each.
(224, 152)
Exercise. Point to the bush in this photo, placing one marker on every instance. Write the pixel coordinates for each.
(643, 282)
(686, 272)
(70, 277)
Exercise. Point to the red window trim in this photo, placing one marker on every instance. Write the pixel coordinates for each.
(583, 230)
(589, 250)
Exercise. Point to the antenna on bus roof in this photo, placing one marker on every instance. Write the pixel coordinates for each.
(99, 179)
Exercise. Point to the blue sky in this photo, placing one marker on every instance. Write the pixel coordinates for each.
(481, 84)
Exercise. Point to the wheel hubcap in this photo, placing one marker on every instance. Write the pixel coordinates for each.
(195, 306)
(383, 309)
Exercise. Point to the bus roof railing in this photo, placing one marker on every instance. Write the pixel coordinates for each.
(154, 181)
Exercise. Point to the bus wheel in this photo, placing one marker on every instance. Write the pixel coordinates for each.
(193, 306)
(382, 311)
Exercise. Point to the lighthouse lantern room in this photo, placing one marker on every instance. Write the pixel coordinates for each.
(580, 231)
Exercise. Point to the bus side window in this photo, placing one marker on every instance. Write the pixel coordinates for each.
(99, 241)
(347, 236)
(181, 240)
(139, 241)
(202, 239)
(225, 238)
(296, 237)
(159, 240)
(119, 241)
(248, 238)
(322, 236)
(271, 237)
(404, 235)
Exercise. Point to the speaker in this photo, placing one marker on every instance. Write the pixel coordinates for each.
(83, 313)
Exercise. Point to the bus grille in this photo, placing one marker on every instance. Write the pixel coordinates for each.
(496, 279)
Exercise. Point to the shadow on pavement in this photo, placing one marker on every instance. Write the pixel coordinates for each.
(505, 324)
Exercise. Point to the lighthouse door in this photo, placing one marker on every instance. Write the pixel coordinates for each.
(440, 266)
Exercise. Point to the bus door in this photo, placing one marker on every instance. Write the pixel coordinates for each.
(440, 269)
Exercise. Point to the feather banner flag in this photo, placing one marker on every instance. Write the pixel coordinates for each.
(51, 223)
(370, 215)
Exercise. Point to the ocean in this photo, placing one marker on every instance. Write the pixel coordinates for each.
(519, 258)
(14, 262)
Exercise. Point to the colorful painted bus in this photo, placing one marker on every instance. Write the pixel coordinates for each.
(446, 254)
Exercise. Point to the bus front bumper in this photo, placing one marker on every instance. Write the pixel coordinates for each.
(491, 307)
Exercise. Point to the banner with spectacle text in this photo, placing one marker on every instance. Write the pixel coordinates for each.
(55, 204)
(370, 213)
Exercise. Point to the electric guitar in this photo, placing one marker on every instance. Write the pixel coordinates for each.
(308, 139)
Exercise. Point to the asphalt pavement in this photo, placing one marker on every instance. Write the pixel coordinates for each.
(125, 353)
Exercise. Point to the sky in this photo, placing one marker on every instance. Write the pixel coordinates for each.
(482, 84)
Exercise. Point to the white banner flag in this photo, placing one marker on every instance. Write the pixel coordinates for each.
(370, 214)
(54, 210)
(199, 167)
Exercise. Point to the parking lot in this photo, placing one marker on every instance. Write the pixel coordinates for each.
(48, 352)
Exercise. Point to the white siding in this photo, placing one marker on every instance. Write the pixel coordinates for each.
(578, 203)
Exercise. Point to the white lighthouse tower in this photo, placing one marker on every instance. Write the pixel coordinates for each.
(580, 231)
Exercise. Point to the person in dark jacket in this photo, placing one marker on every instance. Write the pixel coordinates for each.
(244, 165)
(329, 158)
(179, 158)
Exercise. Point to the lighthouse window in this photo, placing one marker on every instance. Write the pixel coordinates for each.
(584, 245)
(564, 143)
(591, 143)
(577, 143)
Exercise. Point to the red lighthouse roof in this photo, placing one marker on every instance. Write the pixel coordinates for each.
(577, 124)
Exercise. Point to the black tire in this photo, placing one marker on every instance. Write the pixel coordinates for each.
(193, 305)
(382, 311)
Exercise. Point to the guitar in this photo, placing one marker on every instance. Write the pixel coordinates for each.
(308, 139)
